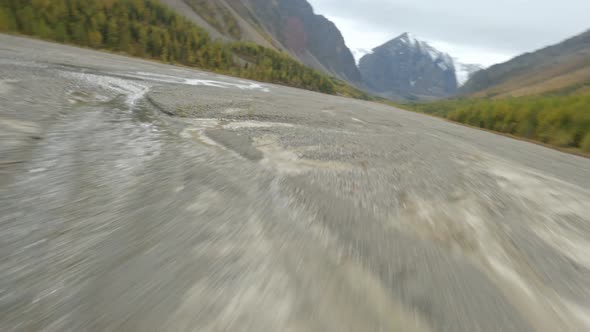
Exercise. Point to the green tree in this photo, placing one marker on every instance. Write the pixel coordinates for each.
(7, 20)
(112, 34)
(585, 143)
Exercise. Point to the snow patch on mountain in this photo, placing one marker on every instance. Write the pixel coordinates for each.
(443, 60)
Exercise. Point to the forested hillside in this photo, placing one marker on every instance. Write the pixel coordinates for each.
(559, 120)
(145, 28)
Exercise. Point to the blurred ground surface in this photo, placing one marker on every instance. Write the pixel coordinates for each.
(136, 196)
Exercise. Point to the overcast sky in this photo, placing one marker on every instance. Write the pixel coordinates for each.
(474, 31)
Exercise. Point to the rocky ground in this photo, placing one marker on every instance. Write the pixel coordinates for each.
(136, 196)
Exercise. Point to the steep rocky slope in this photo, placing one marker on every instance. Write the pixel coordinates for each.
(312, 38)
(406, 68)
(562, 66)
(290, 26)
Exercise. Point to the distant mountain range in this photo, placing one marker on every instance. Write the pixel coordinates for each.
(404, 68)
(561, 67)
(395, 70)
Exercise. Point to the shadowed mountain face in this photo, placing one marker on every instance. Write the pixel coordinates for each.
(406, 68)
(287, 25)
(562, 66)
(312, 38)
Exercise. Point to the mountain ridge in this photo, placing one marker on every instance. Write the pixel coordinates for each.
(551, 68)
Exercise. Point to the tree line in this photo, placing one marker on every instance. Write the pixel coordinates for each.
(560, 120)
(145, 28)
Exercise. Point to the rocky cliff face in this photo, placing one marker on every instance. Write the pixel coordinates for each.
(310, 37)
(289, 26)
(406, 68)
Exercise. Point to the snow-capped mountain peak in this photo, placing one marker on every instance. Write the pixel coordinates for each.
(407, 66)
(443, 60)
